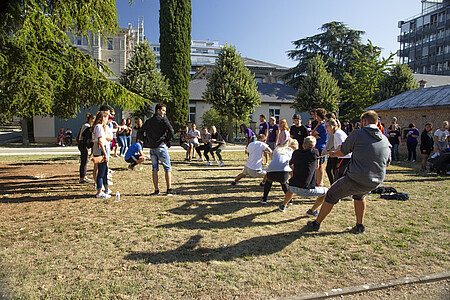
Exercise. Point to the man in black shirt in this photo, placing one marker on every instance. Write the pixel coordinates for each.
(158, 134)
(298, 131)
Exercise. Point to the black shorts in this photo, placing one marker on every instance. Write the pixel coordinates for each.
(133, 158)
(426, 151)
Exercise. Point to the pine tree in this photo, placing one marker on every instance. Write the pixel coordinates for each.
(175, 43)
(231, 88)
(399, 80)
(318, 88)
(142, 77)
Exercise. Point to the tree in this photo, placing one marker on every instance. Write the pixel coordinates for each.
(399, 80)
(41, 73)
(363, 80)
(335, 44)
(231, 88)
(175, 43)
(142, 77)
(318, 88)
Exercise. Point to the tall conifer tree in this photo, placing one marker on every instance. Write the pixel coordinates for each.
(175, 43)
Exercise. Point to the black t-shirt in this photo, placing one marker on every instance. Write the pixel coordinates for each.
(299, 133)
(304, 174)
(394, 136)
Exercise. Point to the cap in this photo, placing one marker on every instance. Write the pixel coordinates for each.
(111, 116)
(295, 116)
(394, 118)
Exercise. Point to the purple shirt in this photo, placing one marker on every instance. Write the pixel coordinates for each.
(263, 127)
(248, 133)
(414, 131)
(272, 133)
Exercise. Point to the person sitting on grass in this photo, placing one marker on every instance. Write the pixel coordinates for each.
(61, 134)
(68, 137)
(279, 169)
(134, 155)
(253, 166)
(303, 180)
(184, 142)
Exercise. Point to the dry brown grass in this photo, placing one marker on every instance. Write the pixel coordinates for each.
(212, 241)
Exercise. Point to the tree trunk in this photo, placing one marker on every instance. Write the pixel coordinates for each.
(25, 139)
(230, 129)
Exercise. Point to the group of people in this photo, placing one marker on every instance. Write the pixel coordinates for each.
(65, 137)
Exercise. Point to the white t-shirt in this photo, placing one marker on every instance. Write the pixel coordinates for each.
(195, 134)
(255, 151)
(441, 135)
(339, 137)
(98, 132)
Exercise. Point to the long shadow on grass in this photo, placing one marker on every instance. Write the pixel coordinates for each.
(43, 199)
(262, 245)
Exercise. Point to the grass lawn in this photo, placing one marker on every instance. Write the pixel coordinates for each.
(211, 241)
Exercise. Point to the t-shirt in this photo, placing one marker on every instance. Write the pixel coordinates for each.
(414, 131)
(255, 151)
(394, 136)
(183, 137)
(299, 133)
(98, 132)
(280, 161)
(248, 133)
(283, 136)
(195, 134)
(322, 140)
(339, 137)
(263, 127)
(206, 137)
(441, 135)
(304, 174)
(272, 133)
(133, 150)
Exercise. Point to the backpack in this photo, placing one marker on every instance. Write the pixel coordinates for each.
(87, 138)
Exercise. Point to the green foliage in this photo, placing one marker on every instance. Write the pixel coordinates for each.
(399, 80)
(142, 77)
(212, 117)
(335, 44)
(231, 88)
(367, 71)
(318, 88)
(175, 43)
(41, 72)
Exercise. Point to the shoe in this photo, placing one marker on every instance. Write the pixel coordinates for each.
(115, 155)
(208, 164)
(312, 213)
(111, 171)
(130, 167)
(263, 201)
(291, 202)
(358, 228)
(108, 191)
(214, 162)
(313, 225)
(189, 159)
(82, 181)
(88, 179)
(201, 159)
(102, 195)
(110, 182)
(261, 184)
(282, 208)
(233, 182)
(170, 192)
(109, 176)
(414, 160)
(222, 164)
(156, 193)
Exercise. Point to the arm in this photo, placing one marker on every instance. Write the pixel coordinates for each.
(100, 144)
(268, 150)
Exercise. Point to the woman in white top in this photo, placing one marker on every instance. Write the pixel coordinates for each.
(441, 137)
(336, 166)
(98, 130)
(279, 168)
(283, 132)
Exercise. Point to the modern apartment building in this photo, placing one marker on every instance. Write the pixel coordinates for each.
(425, 39)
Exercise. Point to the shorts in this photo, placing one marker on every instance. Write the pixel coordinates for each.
(160, 154)
(442, 144)
(345, 187)
(195, 143)
(322, 159)
(271, 145)
(133, 158)
(253, 173)
(315, 192)
(426, 151)
(185, 145)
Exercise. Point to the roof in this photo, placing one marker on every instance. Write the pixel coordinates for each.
(418, 98)
(251, 62)
(432, 80)
(269, 92)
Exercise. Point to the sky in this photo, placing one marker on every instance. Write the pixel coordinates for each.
(265, 29)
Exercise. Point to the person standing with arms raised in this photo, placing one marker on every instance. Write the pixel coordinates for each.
(158, 133)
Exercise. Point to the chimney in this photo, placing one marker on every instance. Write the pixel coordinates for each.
(422, 84)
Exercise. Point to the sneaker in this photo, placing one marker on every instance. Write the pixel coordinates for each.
(110, 182)
(88, 179)
(109, 176)
(208, 164)
(111, 171)
(186, 159)
(358, 228)
(233, 182)
(313, 225)
(261, 184)
(200, 159)
(222, 164)
(291, 202)
(282, 208)
(414, 160)
(263, 201)
(130, 167)
(108, 191)
(156, 193)
(214, 162)
(102, 195)
(170, 192)
(312, 213)
(189, 159)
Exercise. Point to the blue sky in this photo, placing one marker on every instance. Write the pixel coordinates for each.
(265, 29)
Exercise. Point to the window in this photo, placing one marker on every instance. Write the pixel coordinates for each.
(440, 68)
(440, 50)
(274, 111)
(79, 40)
(433, 19)
(191, 117)
(109, 44)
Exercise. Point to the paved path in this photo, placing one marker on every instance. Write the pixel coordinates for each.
(12, 135)
(71, 150)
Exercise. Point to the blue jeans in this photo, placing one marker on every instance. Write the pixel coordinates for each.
(102, 175)
(123, 144)
(128, 141)
(160, 154)
(394, 152)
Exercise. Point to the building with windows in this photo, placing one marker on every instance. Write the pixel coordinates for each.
(425, 39)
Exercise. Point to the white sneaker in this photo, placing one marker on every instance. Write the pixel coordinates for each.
(221, 164)
(200, 159)
(214, 162)
(208, 163)
(110, 182)
(88, 179)
(111, 171)
(108, 191)
(109, 176)
(102, 195)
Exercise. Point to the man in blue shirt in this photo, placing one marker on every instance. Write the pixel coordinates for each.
(134, 155)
